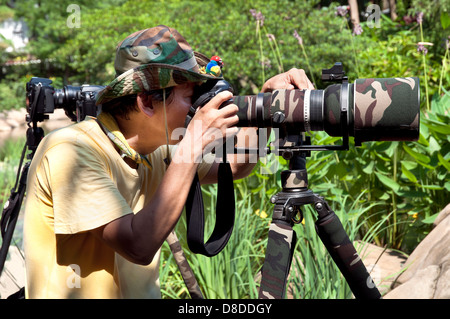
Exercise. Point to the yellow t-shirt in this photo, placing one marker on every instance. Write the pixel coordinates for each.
(77, 181)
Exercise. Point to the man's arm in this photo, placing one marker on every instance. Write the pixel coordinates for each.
(137, 237)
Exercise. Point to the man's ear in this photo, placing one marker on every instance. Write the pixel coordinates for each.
(144, 103)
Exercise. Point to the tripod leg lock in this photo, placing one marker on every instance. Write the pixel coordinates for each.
(288, 205)
(322, 208)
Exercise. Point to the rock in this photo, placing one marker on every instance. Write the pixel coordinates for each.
(17, 116)
(382, 264)
(57, 120)
(427, 269)
(422, 286)
(13, 275)
(4, 126)
(13, 123)
(442, 215)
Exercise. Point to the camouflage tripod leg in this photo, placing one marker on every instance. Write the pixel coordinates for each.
(333, 235)
(183, 266)
(281, 242)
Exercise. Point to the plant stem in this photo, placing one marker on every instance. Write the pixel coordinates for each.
(394, 199)
(276, 51)
(258, 32)
(354, 50)
(424, 60)
(307, 63)
(444, 67)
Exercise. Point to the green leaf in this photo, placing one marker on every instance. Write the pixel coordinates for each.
(434, 145)
(430, 220)
(437, 126)
(444, 162)
(422, 140)
(447, 186)
(420, 157)
(388, 182)
(386, 159)
(408, 174)
(385, 196)
(409, 165)
(445, 19)
(369, 168)
(434, 187)
(392, 147)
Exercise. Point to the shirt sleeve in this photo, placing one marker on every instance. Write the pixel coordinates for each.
(83, 193)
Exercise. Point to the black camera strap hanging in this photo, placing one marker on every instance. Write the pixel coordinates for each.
(225, 212)
(225, 205)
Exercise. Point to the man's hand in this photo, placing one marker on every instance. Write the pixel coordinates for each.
(292, 79)
(211, 125)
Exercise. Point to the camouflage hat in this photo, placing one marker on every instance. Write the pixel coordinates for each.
(152, 59)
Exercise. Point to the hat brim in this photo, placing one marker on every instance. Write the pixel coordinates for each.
(152, 76)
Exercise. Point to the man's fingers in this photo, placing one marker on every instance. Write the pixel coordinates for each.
(229, 110)
(299, 79)
(292, 79)
(218, 100)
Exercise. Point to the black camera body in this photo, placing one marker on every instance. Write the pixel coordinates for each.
(204, 93)
(77, 101)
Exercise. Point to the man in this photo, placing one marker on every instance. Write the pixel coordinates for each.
(104, 194)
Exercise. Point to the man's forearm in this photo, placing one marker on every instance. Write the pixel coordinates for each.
(137, 237)
(243, 164)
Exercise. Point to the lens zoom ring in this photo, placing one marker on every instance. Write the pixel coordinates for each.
(316, 110)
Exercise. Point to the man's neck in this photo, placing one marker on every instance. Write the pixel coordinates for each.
(136, 132)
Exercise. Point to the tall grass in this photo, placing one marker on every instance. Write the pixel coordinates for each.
(234, 273)
(383, 192)
(231, 273)
(10, 153)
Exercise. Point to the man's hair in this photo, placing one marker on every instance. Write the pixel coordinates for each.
(124, 105)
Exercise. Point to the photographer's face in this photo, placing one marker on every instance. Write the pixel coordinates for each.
(178, 106)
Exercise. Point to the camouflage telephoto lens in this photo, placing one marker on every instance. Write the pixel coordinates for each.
(375, 109)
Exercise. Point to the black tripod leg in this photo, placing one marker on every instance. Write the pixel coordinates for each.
(10, 215)
(341, 249)
(280, 246)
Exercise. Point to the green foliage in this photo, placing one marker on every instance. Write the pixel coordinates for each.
(13, 93)
(385, 192)
(234, 273)
(230, 274)
(10, 153)
(407, 181)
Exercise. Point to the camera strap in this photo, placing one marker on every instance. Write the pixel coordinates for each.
(225, 212)
(225, 205)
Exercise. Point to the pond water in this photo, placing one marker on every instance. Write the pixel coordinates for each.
(57, 120)
(15, 134)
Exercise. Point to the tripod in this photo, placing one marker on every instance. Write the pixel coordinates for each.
(11, 210)
(281, 238)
